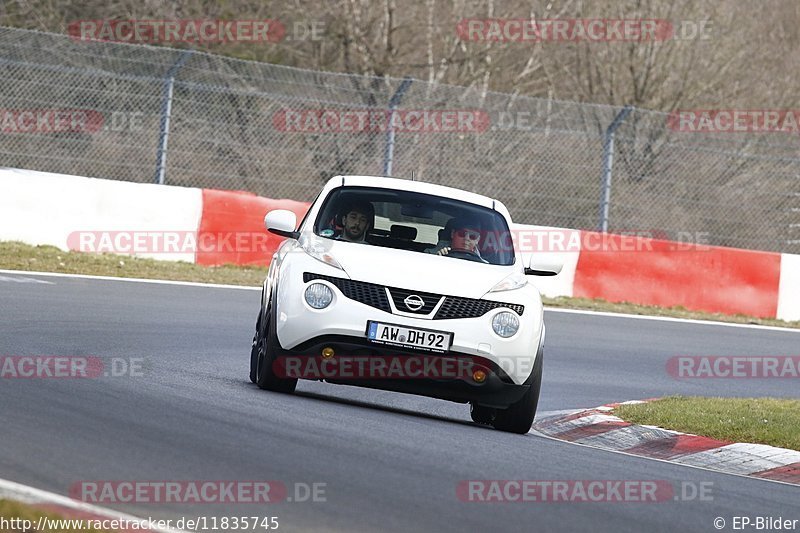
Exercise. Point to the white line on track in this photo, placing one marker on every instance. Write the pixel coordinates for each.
(131, 280)
(670, 319)
(548, 309)
(20, 279)
(30, 495)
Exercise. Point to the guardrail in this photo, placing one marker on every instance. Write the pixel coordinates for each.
(214, 227)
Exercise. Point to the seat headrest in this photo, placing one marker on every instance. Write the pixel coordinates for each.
(406, 233)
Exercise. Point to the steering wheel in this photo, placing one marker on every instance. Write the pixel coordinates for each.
(470, 255)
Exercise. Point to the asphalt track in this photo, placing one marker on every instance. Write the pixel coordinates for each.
(389, 461)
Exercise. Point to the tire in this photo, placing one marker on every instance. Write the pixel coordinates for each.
(481, 414)
(265, 345)
(518, 417)
(254, 352)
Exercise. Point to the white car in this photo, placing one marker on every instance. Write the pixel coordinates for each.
(404, 286)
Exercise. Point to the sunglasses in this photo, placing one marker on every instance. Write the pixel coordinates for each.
(468, 234)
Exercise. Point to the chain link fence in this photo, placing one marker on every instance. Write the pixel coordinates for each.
(153, 114)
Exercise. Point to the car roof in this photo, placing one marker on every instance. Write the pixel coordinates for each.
(417, 186)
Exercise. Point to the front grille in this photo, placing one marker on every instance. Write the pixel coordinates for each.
(456, 307)
(374, 295)
(367, 293)
(399, 296)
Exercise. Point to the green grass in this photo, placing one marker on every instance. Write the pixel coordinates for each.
(19, 256)
(10, 509)
(770, 421)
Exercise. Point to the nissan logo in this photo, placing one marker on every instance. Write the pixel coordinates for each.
(414, 302)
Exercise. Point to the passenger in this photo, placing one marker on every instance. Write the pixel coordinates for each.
(356, 219)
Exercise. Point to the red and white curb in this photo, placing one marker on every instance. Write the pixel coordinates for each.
(598, 428)
(70, 509)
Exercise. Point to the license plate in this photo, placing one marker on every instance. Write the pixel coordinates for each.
(424, 339)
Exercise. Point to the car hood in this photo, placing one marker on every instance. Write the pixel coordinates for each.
(417, 271)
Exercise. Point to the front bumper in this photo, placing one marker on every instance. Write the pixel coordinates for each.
(448, 377)
(299, 327)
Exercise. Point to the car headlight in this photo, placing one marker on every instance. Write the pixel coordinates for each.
(318, 296)
(514, 281)
(505, 324)
(318, 249)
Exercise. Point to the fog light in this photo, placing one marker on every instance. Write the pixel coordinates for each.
(318, 296)
(327, 352)
(505, 324)
(479, 376)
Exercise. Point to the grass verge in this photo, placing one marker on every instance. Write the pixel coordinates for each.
(770, 421)
(10, 510)
(19, 256)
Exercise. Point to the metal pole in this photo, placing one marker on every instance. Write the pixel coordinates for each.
(388, 152)
(166, 112)
(608, 161)
(795, 226)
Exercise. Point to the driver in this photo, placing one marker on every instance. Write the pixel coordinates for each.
(356, 219)
(464, 238)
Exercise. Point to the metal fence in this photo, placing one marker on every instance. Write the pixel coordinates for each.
(150, 114)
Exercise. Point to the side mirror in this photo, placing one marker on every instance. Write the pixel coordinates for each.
(543, 265)
(282, 222)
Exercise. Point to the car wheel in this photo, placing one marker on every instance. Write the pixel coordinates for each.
(481, 414)
(518, 417)
(265, 343)
(254, 352)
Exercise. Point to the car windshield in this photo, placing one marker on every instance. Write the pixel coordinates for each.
(416, 222)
